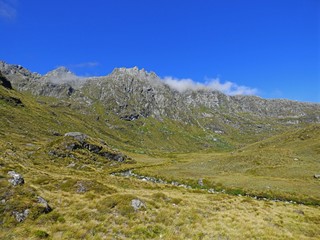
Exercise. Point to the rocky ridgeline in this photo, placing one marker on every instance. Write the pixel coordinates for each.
(24, 80)
(132, 93)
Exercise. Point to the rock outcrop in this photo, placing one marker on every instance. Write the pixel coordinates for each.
(73, 141)
(5, 82)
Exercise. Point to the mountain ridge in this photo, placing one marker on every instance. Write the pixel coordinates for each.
(131, 93)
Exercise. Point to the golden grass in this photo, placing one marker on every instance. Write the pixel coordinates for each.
(104, 210)
(171, 212)
(282, 167)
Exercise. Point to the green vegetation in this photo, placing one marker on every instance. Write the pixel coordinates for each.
(281, 167)
(89, 203)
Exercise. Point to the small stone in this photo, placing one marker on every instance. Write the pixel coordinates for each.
(16, 179)
(211, 190)
(137, 204)
(200, 182)
(317, 176)
(174, 183)
(81, 187)
(20, 216)
(45, 204)
(57, 134)
(71, 165)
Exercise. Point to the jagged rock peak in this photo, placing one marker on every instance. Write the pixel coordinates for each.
(63, 75)
(59, 71)
(11, 69)
(135, 71)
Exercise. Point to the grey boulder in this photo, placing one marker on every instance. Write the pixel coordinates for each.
(77, 136)
(45, 204)
(20, 216)
(16, 179)
(137, 204)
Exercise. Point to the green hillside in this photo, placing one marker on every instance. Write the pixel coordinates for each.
(74, 175)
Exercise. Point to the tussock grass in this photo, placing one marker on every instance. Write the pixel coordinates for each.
(88, 203)
(281, 167)
(171, 213)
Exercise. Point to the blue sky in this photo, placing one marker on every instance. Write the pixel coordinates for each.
(268, 47)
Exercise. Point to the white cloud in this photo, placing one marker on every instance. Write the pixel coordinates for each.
(228, 87)
(8, 9)
(182, 85)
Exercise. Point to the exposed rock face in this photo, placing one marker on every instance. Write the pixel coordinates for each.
(83, 141)
(15, 102)
(21, 216)
(45, 205)
(24, 80)
(137, 204)
(61, 75)
(5, 82)
(16, 70)
(8, 99)
(77, 136)
(131, 94)
(16, 179)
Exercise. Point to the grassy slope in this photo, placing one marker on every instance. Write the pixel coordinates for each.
(279, 167)
(104, 211)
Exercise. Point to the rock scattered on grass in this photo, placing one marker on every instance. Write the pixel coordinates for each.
(45, 204)
(77, 135)
(137, 204)
(21, 216)
(71, 165)
(81, 188)
(200, 182)
(16, 179)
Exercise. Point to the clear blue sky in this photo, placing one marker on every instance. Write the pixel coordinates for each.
(270, 45)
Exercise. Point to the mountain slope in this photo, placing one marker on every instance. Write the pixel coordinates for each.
(66, 146)
(133, 94)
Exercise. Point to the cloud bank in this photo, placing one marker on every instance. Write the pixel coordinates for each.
(7, 9)
(228, 87)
